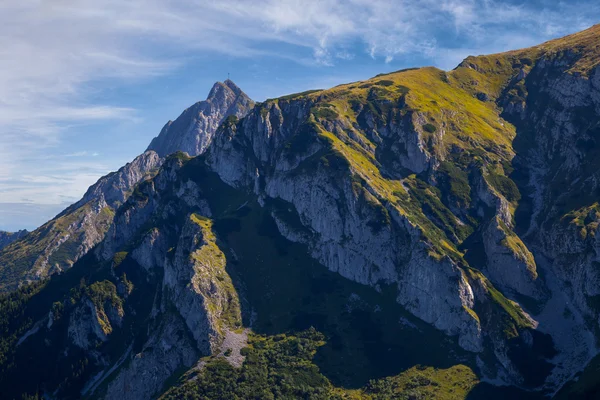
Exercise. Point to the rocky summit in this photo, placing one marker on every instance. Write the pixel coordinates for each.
(423, 234)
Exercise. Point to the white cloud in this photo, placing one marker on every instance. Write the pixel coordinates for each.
(51, 52)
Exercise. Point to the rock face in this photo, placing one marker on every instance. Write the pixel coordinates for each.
(196, 304)
(115, 187)
(166, 350)
(7, 238)
(470, 196)
(193, 131)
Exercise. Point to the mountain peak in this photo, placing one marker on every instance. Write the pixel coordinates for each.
(231, 85)
(220, 88)
(192, 132)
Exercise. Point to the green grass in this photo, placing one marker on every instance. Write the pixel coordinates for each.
(212, 280)
(324, 113)
(19, 259)
(295, 96)
(455, 182)
(430, 128)
(505, 186)
(118, 258)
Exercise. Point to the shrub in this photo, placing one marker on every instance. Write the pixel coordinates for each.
(385, 82)
(324, 112)
(505, 186)
(429, 128)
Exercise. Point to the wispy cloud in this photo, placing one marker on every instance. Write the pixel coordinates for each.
(57, 56)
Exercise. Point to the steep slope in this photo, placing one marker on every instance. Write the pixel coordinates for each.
(56, 245)
(193, 131)
(7, 238)
(330, 241)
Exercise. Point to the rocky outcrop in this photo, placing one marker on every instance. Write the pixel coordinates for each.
(116, 187)
(509, 263)
(90, 323)
(200, 287)
(168, 349)
(193, 131)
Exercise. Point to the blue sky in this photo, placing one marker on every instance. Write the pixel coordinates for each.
(86, 84)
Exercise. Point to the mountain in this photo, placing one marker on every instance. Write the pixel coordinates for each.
(193, 131)
(7, 238)
(421, 234)
(58, 244)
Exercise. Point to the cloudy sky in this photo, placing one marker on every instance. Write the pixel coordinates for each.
(86, 84)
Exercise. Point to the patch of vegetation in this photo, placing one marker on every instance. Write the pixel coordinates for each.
(586, 219)
(103, 292)
(275, 367)
(230, 121)
(428, 199)
(430, 128)
(118, 258)
(505, 186)
(281, 366)
(506, 315)
(455, 181)
(384, 82)
(518, 248)
(179, 156)
(216, 286)
(324, 112)
(13, 321)
(294, 96)
(425, 383)
(20, 258)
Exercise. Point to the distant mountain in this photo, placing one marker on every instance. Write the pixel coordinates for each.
(56, 245)
(7, 238)
(423, 234)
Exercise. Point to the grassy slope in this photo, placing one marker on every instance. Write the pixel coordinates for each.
(281, 366)
(446, 101)
(24, 256)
